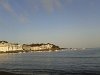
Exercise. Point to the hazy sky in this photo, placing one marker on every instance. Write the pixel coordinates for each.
(67, 23)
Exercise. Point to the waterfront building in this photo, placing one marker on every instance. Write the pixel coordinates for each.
(5, 46)
(26, 47)
(37, 47)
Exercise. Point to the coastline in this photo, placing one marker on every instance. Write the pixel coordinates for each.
(7, 47)
(25, 51)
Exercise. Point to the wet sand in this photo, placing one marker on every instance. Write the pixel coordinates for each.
(49, 73)
(7, 73)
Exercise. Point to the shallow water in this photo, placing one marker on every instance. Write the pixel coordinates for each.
(87, 61)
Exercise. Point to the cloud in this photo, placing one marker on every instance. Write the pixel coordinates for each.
(8, 8)
(47, 5)
(53, 5)
(58, 4)
(33, 5)
(23, 18)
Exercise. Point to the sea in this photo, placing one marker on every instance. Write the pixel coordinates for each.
(64, 62)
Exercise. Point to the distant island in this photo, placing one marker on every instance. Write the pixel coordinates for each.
(7, 47)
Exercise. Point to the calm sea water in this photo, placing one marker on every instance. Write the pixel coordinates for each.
(71, 61)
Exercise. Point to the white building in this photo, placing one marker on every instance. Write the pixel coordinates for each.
(42, 47)
(36, 48)
(5, 46)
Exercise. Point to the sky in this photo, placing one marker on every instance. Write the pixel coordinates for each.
(66, 23)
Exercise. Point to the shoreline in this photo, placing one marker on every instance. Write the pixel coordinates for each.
(25, 51)
(49, 72)
(8, 73)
